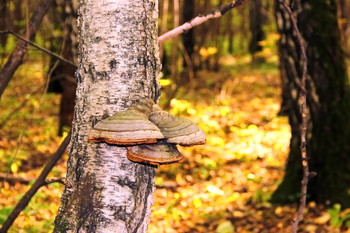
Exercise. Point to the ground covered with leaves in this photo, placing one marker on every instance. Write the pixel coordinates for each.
(222, 187)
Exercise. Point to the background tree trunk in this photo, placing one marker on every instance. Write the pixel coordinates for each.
(105, 192)
(328, 100)
(3, 23)
(256, 22)
(62, 73)
(188, 39)
(17, 56)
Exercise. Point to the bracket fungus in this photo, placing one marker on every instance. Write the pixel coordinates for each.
(156, 154)
(149, 133)
(130, 127)
(177, 130)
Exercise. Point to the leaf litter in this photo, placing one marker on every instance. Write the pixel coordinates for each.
(220, 187)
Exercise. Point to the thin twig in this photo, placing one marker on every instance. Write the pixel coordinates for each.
(17, 56)
(24, 180)
(37, 184)
(39, 47)
(14, 179)
(199, 20)
(304, 118)
(60, 180)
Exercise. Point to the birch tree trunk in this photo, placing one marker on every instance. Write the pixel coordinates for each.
(105, 192)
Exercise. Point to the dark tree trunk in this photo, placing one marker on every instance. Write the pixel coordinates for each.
(328, 101)
(256, 22)
(17, 56)
(230, 31)
(62, 77)
(3, 22)
(188, 37)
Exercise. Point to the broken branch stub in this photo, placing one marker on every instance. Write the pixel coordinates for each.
(130, 127)
(156, 154)
(177, 130)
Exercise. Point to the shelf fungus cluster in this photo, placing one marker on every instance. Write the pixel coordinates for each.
(149, 133)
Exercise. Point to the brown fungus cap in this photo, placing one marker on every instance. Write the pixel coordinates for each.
(156, 154)
(177, 130)
(128, 127)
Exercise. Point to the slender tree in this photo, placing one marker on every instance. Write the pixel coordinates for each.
(62, 73)
(3, 22)
(188, 39)
(328, 100)
(17, 56)
(118, 55)
(256, 22)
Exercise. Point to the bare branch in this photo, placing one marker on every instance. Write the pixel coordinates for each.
(40, 181)
(199, 20)
(40, 48)
(304, 115)
(14, 179)
(16, 57)
(60, 180)
(23, 180)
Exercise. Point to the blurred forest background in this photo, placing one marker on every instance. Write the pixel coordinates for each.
(237, 76)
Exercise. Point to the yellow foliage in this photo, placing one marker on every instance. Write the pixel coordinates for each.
(206, 52)
(14, 167)
(214, 190)
(165, 82)
(230, 177)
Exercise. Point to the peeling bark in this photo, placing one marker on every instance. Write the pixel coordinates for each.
(118, 54)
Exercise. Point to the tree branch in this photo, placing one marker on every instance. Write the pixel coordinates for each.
(16, 57)
(199, 20)
(40, 48)
(13, 179)
(37, 184)
(23, 180)
(304, 115)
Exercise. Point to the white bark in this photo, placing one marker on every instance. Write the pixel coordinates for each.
(105, 192)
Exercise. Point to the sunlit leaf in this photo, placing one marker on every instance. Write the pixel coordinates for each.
(191, 111)
(203, 52)
(14, 167)
(197, 202)
(165, 82)
(215, 190)
(225, 227)
(212, 50)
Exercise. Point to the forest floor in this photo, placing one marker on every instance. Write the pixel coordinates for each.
(222, 187)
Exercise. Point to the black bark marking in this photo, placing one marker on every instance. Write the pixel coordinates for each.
(119, 212)
(102, 75)
(91, 72)
(147, 173)
(125, 181)
(141, 60)
(98, 39)
(94, 121)
(78, 77)
(88, 202)
(105, 114)
(113, 64)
